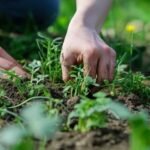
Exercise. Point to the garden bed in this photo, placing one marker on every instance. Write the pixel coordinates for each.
(114, 136)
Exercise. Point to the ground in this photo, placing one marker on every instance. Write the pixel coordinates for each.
(39, 55)
(115, 135)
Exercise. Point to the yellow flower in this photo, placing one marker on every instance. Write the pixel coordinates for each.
(130, 28)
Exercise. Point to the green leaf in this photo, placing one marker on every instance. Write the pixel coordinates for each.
(99, 95)
(11, 135)
(140, 132)
(40, 124)
(119, 110)
(26, 144)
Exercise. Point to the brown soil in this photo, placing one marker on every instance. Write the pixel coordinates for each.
(114, 137)
(13, 96)
(102, 139)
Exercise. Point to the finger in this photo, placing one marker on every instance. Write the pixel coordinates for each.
(111, 70)
(90, 66)
(5, 55)
(66, 65)
(112, 64)
(103, 70)
(20, 72)
(2, 74)
(65, 72)
(6, 64)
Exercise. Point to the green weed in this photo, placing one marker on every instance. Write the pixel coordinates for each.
(140, 132)
(92, 114)
(49, 54)
(39, 125)
(79, 85)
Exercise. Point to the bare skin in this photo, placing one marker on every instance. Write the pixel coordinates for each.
(7, 62)
(82, 44)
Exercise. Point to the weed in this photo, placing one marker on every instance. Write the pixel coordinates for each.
(129, 82)
(140, 132)
(35, 84)
(134, 82)
(38, 125)
(50, 64)
(90, 113)
(79, 85)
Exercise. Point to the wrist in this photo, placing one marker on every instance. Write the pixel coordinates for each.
(80, 20)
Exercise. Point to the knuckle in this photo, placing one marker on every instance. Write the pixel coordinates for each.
(64, 59)
(91, 53)
(113, 53)
(107, 49)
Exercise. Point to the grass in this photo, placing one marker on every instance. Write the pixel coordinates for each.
(91, 114)
(33, 108)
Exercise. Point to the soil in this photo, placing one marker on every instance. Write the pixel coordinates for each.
(114, 137)
(12, 94)
(102, 139)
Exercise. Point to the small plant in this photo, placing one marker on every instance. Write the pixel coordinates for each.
(140, 132)
(36, 83)
(134, 83)
(79, 85)
(129, 82)
(34, 123)
(49, 54)
(90, 113)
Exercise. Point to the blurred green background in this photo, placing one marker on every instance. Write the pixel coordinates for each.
(123, 14)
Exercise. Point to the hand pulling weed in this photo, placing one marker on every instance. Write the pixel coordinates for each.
(79, 85)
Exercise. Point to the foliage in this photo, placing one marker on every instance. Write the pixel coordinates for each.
(79, 85)
(38, 125)
(134, 82)
(127, 82)
(48, 68)
(35, 84)
(140, 132)
(50, 64)
(42, 121)
(131, 82)
(91, 114)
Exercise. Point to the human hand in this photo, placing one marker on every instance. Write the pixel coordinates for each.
(9, 63)
(83, 45)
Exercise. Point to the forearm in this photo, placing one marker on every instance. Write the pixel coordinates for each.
(91, 13)
(82, 43)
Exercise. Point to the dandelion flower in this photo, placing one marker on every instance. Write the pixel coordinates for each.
(130, 28)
